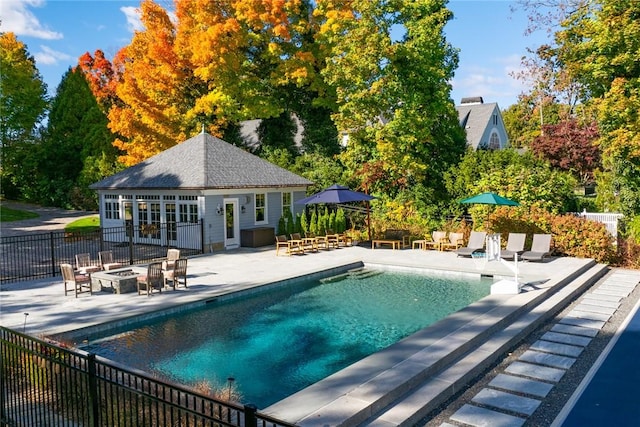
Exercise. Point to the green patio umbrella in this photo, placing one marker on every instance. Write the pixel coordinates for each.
(489, 198)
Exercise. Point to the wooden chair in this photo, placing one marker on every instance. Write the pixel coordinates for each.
(456, 240)
(80, 283)
(435, 241)
(290, 245)
(106, 261)
(172, 256)
(84, 265)
(177, 275)
(154, 279)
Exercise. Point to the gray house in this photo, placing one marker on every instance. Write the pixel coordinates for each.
(234, 193)
(483, 124)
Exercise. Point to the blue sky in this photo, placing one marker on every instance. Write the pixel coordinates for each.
(488, 33)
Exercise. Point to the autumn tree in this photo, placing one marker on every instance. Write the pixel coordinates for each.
(571, 147)
(103, 77)
(23, 104)
(600, 48)
(394, 94)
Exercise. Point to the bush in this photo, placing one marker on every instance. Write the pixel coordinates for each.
(572, 235)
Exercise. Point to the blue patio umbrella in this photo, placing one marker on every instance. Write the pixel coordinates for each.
(335, 194)
(489, 198)
(338, 194)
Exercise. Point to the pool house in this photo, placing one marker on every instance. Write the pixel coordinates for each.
(236, 196)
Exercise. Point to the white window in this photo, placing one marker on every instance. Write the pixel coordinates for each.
(189, 212)
(261, 208)
(111, 206)
(286, 203)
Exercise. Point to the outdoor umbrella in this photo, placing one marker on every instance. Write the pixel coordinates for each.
(338, 194)
(335, 194)
(490, 198)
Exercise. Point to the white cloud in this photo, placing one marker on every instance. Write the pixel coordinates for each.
(17, 18)
(133, 18)
(48, 56)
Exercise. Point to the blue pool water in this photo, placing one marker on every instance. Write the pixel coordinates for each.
(279, 342)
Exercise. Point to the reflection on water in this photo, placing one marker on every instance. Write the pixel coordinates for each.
(277, 343)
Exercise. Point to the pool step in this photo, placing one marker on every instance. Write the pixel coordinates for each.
(415, 403)
(356, 273)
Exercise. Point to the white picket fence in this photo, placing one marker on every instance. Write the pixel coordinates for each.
(610, 220)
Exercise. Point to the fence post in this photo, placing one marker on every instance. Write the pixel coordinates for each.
(92, 383)
(250, 419)
(201, 235)
(130, 233)
(53, 254)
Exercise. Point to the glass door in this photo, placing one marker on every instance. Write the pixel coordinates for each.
(231, 224)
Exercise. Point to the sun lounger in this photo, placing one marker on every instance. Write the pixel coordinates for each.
(540, 248)
(515, 245)
(476, 244)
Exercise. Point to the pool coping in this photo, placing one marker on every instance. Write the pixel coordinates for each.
(353, 394)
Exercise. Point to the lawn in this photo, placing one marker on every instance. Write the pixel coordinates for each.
(83, 225)
(8, 214)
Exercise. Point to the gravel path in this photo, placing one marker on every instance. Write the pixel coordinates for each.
(553, 403)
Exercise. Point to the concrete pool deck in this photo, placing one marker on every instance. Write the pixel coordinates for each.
(358, 392)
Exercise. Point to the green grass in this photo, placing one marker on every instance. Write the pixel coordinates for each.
(7, 214)
(83, 225)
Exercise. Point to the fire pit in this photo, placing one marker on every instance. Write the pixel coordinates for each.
(116, 281)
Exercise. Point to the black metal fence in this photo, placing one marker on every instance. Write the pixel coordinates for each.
(39, 255)
(49, 385)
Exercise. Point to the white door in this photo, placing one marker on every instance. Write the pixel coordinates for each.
(231, 224)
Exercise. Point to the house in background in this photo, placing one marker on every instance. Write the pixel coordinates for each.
(483, 124)
(202, 179)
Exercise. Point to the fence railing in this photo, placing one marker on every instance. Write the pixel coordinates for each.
(45, 384)
(610, 220)
(36, 256)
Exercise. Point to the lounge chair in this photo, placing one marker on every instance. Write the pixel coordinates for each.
(540, 248)
(475, 244)
(456, 240)
(177, 275)
(154, 279)
(289, 245)
(79, 282)
(106, 261)
(84, 265)
(515, 245)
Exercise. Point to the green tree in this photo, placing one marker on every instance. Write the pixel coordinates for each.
(23, 104)
(599, 47)
(77, 146)
(394, 93)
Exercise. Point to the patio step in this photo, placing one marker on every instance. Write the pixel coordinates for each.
(406, 405)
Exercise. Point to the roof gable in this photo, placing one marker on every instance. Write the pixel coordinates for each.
(202, 162)
(474, 118)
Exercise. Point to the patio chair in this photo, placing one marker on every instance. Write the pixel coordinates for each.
(84, 265)
(435, 240)
(106, 261)
(172, 256)
(80, 283)
(540, 248)
(515, 245)
(178, 275)
(154, 279)
(289, 245)
(475, 244)
(320, 241)
(456, 240)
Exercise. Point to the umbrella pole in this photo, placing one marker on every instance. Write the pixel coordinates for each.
(369, 220)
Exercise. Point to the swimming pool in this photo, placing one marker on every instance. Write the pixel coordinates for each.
(278, 342)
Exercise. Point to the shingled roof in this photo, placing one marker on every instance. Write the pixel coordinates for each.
(202, 162)
(474, 117)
